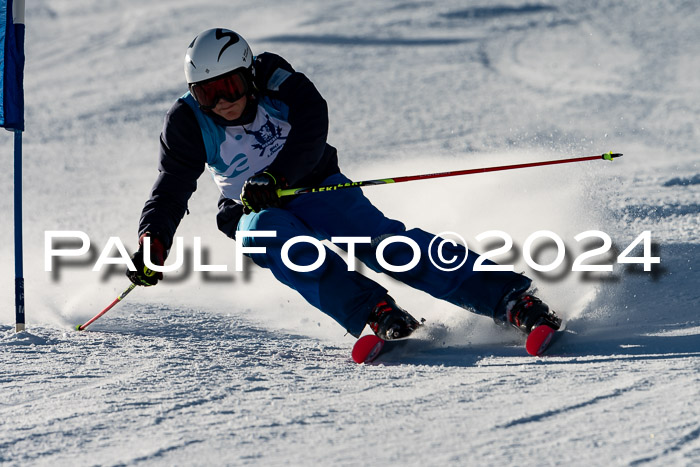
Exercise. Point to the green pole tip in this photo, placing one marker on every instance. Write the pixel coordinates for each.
(609, 156)
(77, 327)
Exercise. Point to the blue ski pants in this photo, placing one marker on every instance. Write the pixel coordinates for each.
(348, 296)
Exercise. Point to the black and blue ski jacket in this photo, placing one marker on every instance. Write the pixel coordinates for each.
(285, 134)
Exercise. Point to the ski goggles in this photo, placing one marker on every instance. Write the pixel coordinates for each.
(231, 87)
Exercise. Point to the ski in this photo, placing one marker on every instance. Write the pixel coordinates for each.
(370, 348)
(539, 340)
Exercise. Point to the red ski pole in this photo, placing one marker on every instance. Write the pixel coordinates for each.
(608, 156)
(81, 327)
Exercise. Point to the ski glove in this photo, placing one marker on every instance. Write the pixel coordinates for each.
(260, 192)
(143, 275)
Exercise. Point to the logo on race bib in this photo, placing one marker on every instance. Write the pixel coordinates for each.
(268, 136)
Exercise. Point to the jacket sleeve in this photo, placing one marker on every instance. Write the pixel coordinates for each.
(308, 116)
(182, 161)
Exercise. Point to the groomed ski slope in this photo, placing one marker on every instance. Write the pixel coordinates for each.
(234, 369)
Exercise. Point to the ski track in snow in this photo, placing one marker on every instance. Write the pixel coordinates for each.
(237, 370)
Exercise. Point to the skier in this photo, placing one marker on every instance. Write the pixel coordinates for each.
(258, 126)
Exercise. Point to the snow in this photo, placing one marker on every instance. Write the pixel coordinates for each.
(232, 368)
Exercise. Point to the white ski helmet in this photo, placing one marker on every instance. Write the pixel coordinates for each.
(215, 52)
